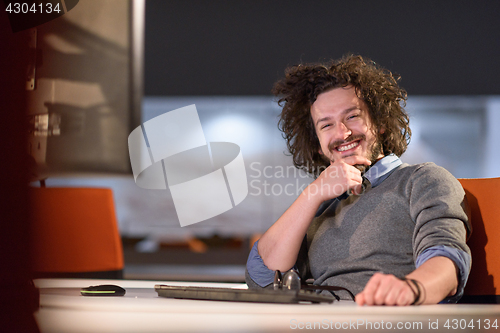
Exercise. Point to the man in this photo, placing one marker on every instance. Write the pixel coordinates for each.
(389, 232)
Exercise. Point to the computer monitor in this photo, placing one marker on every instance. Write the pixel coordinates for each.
(85, 90)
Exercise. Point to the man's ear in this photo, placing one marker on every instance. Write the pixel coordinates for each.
(382, 130)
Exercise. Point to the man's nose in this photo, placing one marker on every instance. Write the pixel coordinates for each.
(342, 132)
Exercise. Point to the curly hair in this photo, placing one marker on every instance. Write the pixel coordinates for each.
(376, 86)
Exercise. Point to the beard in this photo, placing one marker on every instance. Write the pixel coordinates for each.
(374, 151)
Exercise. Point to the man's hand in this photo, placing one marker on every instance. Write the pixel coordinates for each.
(386, 289)
(338, 178)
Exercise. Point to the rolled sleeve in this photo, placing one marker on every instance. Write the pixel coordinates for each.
(257, 271)
(461, 259)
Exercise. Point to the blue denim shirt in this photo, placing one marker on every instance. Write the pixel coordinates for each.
(263, 276)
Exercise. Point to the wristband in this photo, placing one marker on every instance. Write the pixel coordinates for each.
(419, 293)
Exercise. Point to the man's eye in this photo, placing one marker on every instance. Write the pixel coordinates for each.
(325, 126)
(353, 116)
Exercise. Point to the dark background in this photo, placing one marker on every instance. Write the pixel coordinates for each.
(217, 47)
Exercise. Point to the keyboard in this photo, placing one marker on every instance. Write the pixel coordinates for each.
(241, 295)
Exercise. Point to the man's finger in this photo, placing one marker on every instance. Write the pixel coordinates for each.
(406, 297)
(360, 299)
(384, 288)
(393, 295)
(371, 287)
(357, 189)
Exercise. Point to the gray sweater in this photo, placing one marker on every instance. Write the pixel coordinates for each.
(384, 229)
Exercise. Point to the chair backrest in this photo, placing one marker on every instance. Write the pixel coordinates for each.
(483, 196)
(75, 233)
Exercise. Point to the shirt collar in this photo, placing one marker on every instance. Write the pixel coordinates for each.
(382, 169)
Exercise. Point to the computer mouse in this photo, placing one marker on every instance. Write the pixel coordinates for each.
(103, 290)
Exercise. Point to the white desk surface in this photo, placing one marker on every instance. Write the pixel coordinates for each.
(63, 309)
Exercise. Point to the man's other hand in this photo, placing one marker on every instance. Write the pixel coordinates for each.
(386, 289)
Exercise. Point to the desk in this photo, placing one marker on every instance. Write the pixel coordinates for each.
(141, 310)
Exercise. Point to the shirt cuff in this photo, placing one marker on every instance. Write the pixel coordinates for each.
(461, 259)
(257, 270)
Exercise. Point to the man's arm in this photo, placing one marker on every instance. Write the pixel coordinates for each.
(435, 197)
(437, 278)
(280, 244)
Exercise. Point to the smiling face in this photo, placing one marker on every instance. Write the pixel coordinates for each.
(343, 126)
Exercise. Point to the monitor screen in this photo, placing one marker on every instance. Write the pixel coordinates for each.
(85, 93)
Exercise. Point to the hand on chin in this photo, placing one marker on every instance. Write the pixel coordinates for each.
(361, 167)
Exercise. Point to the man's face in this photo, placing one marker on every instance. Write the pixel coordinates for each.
(343, 125)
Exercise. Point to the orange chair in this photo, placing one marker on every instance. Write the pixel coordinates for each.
(75, 233)
(483, 196)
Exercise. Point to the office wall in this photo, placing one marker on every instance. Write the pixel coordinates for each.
(223, 47)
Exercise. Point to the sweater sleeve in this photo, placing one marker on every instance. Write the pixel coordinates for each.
(257, 275)
(436, 205)
(441, 222)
